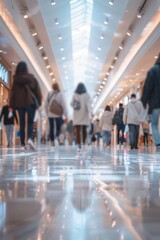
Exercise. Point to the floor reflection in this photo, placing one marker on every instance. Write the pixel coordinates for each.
(98, 194)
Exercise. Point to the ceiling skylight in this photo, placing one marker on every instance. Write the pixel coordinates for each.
(81, 12)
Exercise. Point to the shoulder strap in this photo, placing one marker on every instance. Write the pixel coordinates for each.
(50, 96)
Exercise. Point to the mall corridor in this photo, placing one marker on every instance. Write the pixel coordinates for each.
(100, 194)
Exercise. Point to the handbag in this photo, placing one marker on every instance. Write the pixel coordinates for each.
(55, 107)
(76, 104)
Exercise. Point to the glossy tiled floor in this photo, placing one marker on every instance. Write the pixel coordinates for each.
(55, 194)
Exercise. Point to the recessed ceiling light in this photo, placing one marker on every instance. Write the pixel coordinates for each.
(53, 2)
(111, 2)
(99, 48)
(102, 36)
(45, 57)
(61, 49)
(129, 33)
(121, 47)
(59, 36)
(106, 21)
(56, 21)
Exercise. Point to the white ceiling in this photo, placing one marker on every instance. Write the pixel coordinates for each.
(88, 58)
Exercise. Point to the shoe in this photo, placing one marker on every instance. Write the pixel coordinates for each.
(23, 148)
(136, 148)
(31, 144)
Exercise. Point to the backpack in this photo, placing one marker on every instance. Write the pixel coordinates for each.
(118, 117)
(54, 106)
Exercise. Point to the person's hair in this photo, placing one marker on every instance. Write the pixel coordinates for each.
(55, 87)
(80, 88)
(21, 68)
(107, 108)
(133, 95)
(158, 59)
(121, 105)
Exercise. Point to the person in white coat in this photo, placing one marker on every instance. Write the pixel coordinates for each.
(55, 121)
(133, 115)
(106, 125)
(81, 103)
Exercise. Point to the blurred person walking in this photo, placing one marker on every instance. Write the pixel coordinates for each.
(97, 131)
(133, 115)
(118, 120)
(81, 103)
(26, 98)
(106, 126)
(9, 115)
(151, 98)
(55, 114)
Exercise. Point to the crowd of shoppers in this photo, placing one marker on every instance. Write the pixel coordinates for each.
(26, 98)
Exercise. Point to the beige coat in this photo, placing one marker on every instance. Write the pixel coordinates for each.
(83, 115)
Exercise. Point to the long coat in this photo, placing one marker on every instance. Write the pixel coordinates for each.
(22, 91)
(83, 115)
(151, 89)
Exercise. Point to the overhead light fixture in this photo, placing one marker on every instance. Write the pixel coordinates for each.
(53, 2)
(25, 12)
(106, 21)
(48, 66)
(141, 9)
(99, 48)
(139, 15)
(56, 21)
(129, 33)
(59, 36)
(120, 47)
(102, 36)
(45, 57)
(111, 2)
(115, 58)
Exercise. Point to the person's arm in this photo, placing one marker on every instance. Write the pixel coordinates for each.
(15, 116)
(2, 113)
(125, 115)
(147, 88)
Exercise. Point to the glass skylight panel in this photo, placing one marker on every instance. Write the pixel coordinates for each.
(81, 12)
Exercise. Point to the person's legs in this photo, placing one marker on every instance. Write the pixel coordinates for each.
(136, 135)
(131, 135)
(7, 134)
(84, 134)
(154, 117)
(22, 113)
(31, 113)
(11, 128)
(78, 132)
(108, 137)
(51, 129)
(58, 126)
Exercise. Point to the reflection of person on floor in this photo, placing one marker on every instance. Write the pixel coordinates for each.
(8, 115)
(97, 130)
(70, 132)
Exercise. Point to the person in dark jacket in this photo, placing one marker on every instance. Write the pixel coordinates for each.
(25, 97)
(8, 115)
(151, 97)
(118, 120)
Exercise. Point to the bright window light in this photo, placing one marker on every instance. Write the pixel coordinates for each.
(81, 12)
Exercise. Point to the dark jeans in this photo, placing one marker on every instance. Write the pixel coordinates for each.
(120, 128)
(30, 111)
(55, 123)
(133, 135)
